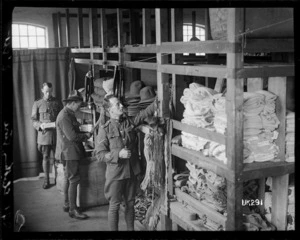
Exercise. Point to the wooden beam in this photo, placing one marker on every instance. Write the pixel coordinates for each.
(269, 45)
(80, 28)
(103, 35)
(234, 110)
(201, 132)
(210, 46)
(140, 65)
(163, 89)
(208, 163)
(93, 32)
(150, 48)
(265, 169)
(261, 71)
(87, 50)
(68, 43)
(216, 71)
(96, 62)
(146, 21)
(201, 207)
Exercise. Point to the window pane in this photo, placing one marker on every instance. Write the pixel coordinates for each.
(31, 31)
(23, 30)
(15, 29)
(24, 42)
(41, 42)
(15, 42)
(32, 42)
(40, 31)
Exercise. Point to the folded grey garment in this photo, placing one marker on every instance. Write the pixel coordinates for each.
(97, 99)
(98, 82)
(99, 91)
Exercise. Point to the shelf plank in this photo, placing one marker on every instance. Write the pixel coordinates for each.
(201, 207)
(204, 70)
(96, 62)
(201, 132)
(210, 46)
(257, 170)
(179, 215)
(261, 71)
(198, 158)
(269, 45)
(148, 48)
(140, 65)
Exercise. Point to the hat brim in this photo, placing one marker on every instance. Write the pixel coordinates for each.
(147, 100)
(73, 99)
(130, 96)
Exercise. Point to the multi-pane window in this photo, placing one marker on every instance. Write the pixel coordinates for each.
(188, 34)
(28, 36)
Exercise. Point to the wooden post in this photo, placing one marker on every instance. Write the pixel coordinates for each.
(146, 26)
(59, 29)
(55, 29)
(80, 28)
(120, 32)
(277, 85)
(162, 84)
(103, 34)
(162, 78)
(234, 110)
(93, 32)
(67, 28)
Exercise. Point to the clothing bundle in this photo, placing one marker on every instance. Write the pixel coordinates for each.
(206, 108)
(290, 137)
(291, 205)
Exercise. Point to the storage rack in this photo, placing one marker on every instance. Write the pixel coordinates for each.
(235, 71)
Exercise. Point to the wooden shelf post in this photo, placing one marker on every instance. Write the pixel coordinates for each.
(234, 109)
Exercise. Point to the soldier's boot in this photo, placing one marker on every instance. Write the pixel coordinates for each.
(74, 212)
(46, 168)
(129, 215)
(113, 216)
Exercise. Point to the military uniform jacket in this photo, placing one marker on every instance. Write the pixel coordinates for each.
(69, 138)
(45, 111)
(115, 135)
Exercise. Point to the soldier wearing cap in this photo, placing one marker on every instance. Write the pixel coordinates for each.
(69, 150)
(117, 145)
(43, 116)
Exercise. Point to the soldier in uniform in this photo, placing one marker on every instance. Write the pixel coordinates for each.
(69, 150)
(117, 145)
(45, 111)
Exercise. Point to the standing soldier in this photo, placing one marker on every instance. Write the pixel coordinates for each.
(70, 150)
(116, 144)
(44, 113)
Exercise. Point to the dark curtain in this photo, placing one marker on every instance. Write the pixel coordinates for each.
(30, 69)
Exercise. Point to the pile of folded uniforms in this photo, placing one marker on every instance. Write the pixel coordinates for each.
(99, 92)
(290, 137)
(260, 124)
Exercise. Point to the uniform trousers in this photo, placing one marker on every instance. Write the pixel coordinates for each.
(117, 191)
(71, 181)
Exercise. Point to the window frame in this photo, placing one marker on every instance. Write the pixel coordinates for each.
(28, 35)
(199, 26)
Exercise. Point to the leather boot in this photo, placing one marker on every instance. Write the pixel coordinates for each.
(74, 212)
(46, 167)
(129, 215)
(113, 216)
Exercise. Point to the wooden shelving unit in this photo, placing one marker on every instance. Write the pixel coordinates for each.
(234, 73)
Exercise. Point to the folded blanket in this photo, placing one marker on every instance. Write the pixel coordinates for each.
(270, 121)
(253, 122)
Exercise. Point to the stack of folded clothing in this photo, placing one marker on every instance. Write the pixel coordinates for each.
(207, 187)
(148, 96)
(197, 101)
(290, 137)
(260, 122)
(133, 98)
(219, 110)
